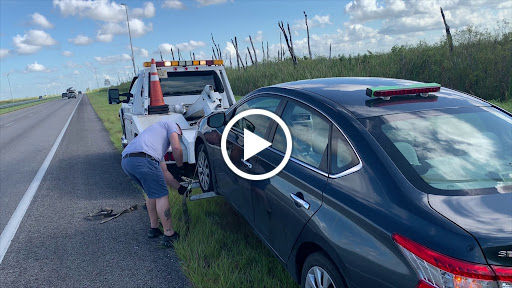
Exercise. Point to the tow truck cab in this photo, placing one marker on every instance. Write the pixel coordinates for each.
(191, 89)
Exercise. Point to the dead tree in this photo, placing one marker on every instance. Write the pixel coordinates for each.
(179, 54)
(280, 51)
(194, 56)
(268, 55)
(214, 45)
(161, 57)
(448, 34)
(219, 51)
(263, 51)
(288, 43)
(307, 29)
(172, 53)
(253, 50)
(238, 57)
(214, 55)
(246, 57)
(329, 50)
(250, 55)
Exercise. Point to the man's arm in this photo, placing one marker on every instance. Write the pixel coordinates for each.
(177, 152)
(169, 179)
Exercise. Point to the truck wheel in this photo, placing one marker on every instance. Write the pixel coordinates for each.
(319, 271)
(204, 169)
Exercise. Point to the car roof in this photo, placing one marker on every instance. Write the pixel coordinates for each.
(350, 93)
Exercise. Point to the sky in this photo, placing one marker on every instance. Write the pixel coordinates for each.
(48, 46)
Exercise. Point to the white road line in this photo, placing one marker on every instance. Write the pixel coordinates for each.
(30, 114)
(8, 124)
(13, 224)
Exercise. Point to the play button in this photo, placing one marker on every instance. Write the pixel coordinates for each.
(254, 144)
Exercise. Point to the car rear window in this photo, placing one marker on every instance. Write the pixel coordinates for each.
(190, 83)
(463, 151)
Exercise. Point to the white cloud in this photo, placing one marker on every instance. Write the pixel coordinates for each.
(80, 40)
(173, 4)
(102, 10)
(212, 2)
(76, 72)
(166, 48)
(4, 53)
(147, 12)
(40, 20)
(67, 53)
(32, 42)
(36, 67)
(137, 28)
(258, 38)
(144, 53)
(316, 21)
(190, 45)
(113, 59)
(230, 50)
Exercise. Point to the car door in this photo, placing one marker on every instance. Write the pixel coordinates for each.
(284, 203)
(235, 188)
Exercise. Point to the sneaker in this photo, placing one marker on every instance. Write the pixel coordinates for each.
(168, 241)
(154, 232)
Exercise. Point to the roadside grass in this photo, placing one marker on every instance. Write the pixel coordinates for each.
(19, 107)
(507, 105)
(220, 249)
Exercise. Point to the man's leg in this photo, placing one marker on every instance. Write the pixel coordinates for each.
(164, 212)
(153, 216)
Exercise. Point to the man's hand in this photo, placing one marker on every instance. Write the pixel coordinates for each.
(178, 173)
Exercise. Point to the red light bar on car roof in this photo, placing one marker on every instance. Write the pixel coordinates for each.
(390, 91)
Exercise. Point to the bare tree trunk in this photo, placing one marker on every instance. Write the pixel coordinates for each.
(238, 57)
(246, 57)
(253, 50)
(262, 51)
(448, 34)
(161, 57)
(179, 54)
(194, 56)
(268, 55)
(230, 63)
(329, 50)
(307, 28)
(250, 55)
(279, 55)
(219, 52)
(214, 45)
(214, 55)
(172, 53)
(191, 56)
(288, 43)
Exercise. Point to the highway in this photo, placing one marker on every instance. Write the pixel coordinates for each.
(54, 246)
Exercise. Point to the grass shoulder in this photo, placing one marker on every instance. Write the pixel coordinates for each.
(22, 106)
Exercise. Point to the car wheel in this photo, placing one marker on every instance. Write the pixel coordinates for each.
(319, 271)
(204, 169)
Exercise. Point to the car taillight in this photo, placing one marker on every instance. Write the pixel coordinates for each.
(440, 271)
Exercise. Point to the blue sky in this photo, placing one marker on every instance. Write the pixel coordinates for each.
(48, 46)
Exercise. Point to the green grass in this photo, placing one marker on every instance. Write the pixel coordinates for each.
(14, 108)
(220, 249)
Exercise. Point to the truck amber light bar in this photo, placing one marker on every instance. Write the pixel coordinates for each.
(185, 63)
(389, 91)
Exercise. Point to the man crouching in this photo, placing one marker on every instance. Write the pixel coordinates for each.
(143, 160)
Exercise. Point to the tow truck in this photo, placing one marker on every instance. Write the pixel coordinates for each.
(191, 90)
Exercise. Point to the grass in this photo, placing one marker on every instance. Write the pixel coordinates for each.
(220, 248)
(14, 108)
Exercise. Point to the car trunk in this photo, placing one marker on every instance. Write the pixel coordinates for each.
(487, 217)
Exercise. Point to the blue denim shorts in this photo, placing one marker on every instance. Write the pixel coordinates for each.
(148, 174)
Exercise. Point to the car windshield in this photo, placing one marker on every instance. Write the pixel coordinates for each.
(464, 151)
(189, 83)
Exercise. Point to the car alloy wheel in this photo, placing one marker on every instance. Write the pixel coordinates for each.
(320, 272)
(203, 169)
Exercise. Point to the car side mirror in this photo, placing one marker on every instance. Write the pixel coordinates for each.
(216, 120)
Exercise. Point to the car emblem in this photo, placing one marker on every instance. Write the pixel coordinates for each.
(505, 254)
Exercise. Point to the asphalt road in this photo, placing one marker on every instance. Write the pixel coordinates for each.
(54, 246)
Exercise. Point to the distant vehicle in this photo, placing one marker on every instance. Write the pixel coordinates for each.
(79, 92)
(71, 94)
(64, 95)
(40, 97)
(390, 183)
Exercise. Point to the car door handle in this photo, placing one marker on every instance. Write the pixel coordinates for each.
(299, 201)
(249, 165)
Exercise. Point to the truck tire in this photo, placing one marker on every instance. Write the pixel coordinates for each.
(204, 169)
(317, 269)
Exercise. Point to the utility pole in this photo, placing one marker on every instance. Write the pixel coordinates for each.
(97, 83)
(130, 34)
(12, 99)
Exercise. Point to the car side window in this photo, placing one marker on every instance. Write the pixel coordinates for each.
(343, 156)
(256, 124)
(310, 135)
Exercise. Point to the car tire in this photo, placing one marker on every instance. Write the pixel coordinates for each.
(204, 169)
(318, 268)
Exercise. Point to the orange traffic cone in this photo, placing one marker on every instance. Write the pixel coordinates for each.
(156, 101)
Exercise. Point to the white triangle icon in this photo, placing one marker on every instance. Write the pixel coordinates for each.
(253, 144)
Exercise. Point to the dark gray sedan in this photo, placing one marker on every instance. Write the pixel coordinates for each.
(391, 183)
